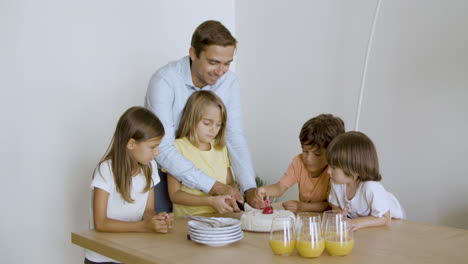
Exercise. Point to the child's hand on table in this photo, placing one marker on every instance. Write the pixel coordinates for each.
(293, 206)
(161, 222)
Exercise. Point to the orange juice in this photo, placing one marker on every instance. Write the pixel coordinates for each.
(308, 249)
(282, 247)
(337, 248)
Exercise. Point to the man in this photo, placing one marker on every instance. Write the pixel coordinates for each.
(206, 68)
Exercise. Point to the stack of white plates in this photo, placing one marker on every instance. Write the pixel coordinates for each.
(204, 233)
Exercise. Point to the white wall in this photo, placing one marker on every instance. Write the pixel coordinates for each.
(415, 107)
(68, 70)
(287, 63)
(302, 58)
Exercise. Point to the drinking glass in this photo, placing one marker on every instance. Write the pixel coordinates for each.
(339, 239)
(282, 237)
(309, 240)
(326, 215)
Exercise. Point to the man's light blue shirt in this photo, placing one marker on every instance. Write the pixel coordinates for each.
(168, 91)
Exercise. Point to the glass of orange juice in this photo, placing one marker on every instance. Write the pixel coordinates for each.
(309, 240)
(339, 239)
(282, 236)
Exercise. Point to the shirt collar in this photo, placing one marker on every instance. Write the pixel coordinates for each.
(186, 72)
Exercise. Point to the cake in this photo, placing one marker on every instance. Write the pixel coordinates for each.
(254, 220)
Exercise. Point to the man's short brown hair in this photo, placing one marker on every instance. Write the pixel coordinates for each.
(211, 32)
(321, 130)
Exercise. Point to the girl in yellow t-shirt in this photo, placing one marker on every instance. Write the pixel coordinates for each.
(200, 138)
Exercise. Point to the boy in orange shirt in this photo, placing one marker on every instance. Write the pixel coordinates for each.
(308, 169)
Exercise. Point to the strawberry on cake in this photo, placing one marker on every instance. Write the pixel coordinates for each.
(260, 220)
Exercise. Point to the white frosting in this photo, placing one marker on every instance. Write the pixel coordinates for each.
(255, 220)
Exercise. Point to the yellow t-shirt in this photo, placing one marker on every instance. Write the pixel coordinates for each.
(213, 162)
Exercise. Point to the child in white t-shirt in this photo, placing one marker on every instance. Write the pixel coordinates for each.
(355, 187)
(123, 197)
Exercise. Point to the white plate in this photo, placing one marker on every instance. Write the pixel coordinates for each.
(233, 224)
(215, 236)
(219, 243)
(194, 232)
(216, 239)
(214, 231)
(227, 222)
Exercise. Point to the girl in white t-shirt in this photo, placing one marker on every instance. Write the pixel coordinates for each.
(123, 197)
(355, 187)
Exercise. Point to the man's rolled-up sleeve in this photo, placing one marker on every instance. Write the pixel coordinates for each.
(239, 154)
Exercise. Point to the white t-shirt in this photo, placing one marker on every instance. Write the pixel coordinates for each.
(371, 198)
(117, 207)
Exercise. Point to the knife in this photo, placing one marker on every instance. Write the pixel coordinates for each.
(240, 205)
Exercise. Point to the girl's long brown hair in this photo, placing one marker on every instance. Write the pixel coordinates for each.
(355, 154)
(193, 114)
(136, 123)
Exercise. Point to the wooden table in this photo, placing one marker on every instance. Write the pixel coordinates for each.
(400, 242)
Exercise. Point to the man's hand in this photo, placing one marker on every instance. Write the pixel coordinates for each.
(253, 199)
(293, 206)
(223, 204)
(224, 189)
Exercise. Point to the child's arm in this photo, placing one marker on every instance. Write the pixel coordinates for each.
(102, 223)
(369, 221)
(365, 221)
(272, 190)
(180, 197)
(156, 218)
(377, 198)
(298, 206)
